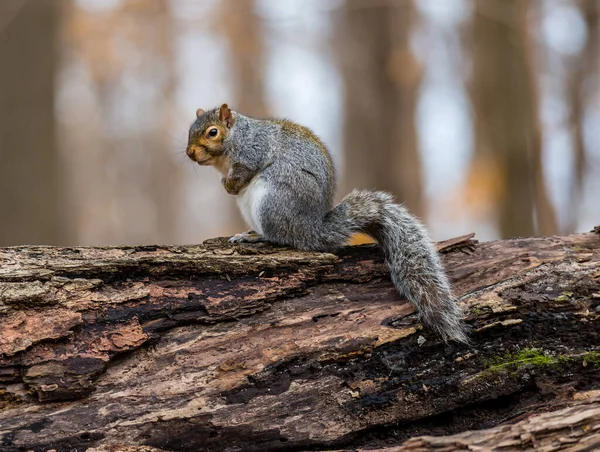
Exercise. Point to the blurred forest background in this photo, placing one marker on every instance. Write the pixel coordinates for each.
(481, 115)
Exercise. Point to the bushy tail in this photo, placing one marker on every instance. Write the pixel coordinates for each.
(414, 263)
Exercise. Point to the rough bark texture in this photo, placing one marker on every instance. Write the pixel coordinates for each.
(250, 347)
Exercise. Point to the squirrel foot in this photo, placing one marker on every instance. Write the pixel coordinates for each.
(247, 237)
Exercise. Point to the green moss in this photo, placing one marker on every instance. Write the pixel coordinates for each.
(565, 296)
(526, 357)
(477, 310)
(591, 359)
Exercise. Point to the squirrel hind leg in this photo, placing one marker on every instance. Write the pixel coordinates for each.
(247, 237)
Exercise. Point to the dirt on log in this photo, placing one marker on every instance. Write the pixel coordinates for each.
(257, 348)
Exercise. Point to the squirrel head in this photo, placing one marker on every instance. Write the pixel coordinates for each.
(208, 134)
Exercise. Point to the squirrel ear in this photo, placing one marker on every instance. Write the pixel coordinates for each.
(199, 112)
(226, 116)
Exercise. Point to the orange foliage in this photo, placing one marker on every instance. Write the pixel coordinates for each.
(484, 185)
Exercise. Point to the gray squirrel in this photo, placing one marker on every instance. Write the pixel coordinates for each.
(284, 181)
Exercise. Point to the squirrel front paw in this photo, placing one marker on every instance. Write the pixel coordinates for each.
(247, 237)
(231, 184)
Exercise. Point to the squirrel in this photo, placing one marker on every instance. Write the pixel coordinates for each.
(284, 180)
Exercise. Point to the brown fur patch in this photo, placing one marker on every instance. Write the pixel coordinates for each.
(306, 134)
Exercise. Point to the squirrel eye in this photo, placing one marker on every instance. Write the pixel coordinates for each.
(213, 132)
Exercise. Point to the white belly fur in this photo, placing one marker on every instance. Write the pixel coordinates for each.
(248, 201)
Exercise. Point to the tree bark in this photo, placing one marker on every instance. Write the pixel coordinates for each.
(252, 347)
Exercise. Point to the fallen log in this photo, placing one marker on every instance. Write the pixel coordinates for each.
(252, 347)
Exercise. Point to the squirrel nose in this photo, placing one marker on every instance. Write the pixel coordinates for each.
(189, 151)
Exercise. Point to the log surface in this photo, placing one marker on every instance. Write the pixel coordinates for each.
(251, 347)
(576, 428)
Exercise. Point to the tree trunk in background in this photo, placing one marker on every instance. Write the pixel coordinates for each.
(381, 81)
(30, 169)
(243, 32)
(582, 84)
(165, 176)
(507, 129)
